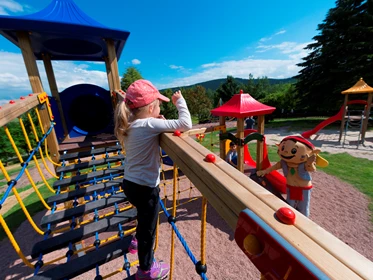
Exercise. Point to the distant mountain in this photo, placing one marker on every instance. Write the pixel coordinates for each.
(214, 84)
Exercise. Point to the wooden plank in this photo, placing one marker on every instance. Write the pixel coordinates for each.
(83, 232)
(90, 164)
(238, 198)
(207, 190)
(78, 211)
(80, 265)
(115, 171)
(194, 131)
(9, 112)
(91, 152)
(86, 191)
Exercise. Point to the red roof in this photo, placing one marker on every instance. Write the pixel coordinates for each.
(242, 105)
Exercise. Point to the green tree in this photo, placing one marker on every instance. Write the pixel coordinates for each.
(131, 75)
(250, 87)
(341, 54)
(168, 109)
(228, 89)
(199, 103)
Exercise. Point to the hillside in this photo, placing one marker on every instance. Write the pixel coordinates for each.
(214, 84)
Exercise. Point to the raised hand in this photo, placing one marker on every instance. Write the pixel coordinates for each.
(176, 96)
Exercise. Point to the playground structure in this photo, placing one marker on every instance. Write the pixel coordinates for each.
(94, 166)
(344, 116)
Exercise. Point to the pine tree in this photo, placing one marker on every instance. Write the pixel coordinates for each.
(341, 54)
(228, 89)
(130, 76)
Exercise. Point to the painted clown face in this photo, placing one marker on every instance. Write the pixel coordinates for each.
(293, 152)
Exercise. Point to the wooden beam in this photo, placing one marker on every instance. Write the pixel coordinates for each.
(343, 120)
(259, 145)
(54, 90)
(240, 149)
(113, 63)
(223, 150)
(36, 85)
(9, 112)
(367, 114)
(228, 188)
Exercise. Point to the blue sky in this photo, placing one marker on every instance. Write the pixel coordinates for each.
(179, 43)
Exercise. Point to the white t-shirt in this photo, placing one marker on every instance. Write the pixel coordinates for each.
(142, 162)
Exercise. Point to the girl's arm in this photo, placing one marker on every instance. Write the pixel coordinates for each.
(183, 123)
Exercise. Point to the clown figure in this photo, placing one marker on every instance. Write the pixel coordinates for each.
(298, 158)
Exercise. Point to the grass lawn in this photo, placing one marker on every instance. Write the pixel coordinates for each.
(13, 169)
(15, 216)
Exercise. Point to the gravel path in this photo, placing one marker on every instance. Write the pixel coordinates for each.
(335, 205)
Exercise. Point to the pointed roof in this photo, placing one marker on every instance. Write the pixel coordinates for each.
(63, 30)
(359, 87)
(242, 105)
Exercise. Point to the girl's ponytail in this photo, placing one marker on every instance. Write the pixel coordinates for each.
(121, 119)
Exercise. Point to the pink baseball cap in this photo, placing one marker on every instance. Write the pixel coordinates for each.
(141, 93)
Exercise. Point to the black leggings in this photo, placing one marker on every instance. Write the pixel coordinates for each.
(146, 200)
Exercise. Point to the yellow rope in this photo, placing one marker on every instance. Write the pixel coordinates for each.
(175, 173)
(29, 218)
(34, 157)
(14, 242)
(40, 149)
(203, 231)
(26, 170)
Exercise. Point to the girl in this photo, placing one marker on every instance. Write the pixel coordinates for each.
(137, 127)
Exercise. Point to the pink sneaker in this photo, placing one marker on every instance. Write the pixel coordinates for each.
(158, 271)
(132, 249)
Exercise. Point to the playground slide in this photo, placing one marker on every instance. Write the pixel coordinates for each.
(277, 180)
(336, 117)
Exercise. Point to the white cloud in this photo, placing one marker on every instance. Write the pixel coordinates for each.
(280, 32)
(135, 61)
(284, 47)
(14, 81)
(176, 67)
(11, 6)
(271, 67)
(264, 39)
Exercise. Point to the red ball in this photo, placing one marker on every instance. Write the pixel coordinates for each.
(177, 133)
(210, 158)
(286, 215)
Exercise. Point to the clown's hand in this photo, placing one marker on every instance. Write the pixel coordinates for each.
(311, 162)
(261, 173)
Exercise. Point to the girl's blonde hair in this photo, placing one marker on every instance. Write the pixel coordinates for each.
(123, 116)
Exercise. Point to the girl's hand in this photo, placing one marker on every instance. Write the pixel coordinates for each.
(176, 96)
(161, 117)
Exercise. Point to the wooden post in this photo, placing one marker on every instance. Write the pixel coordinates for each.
(223, 151)
(109, 76)
(54, 90)
(240, 149)
(343, 120)
(366, 120)
(36, 85)
(260, 144)
(112, 68)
